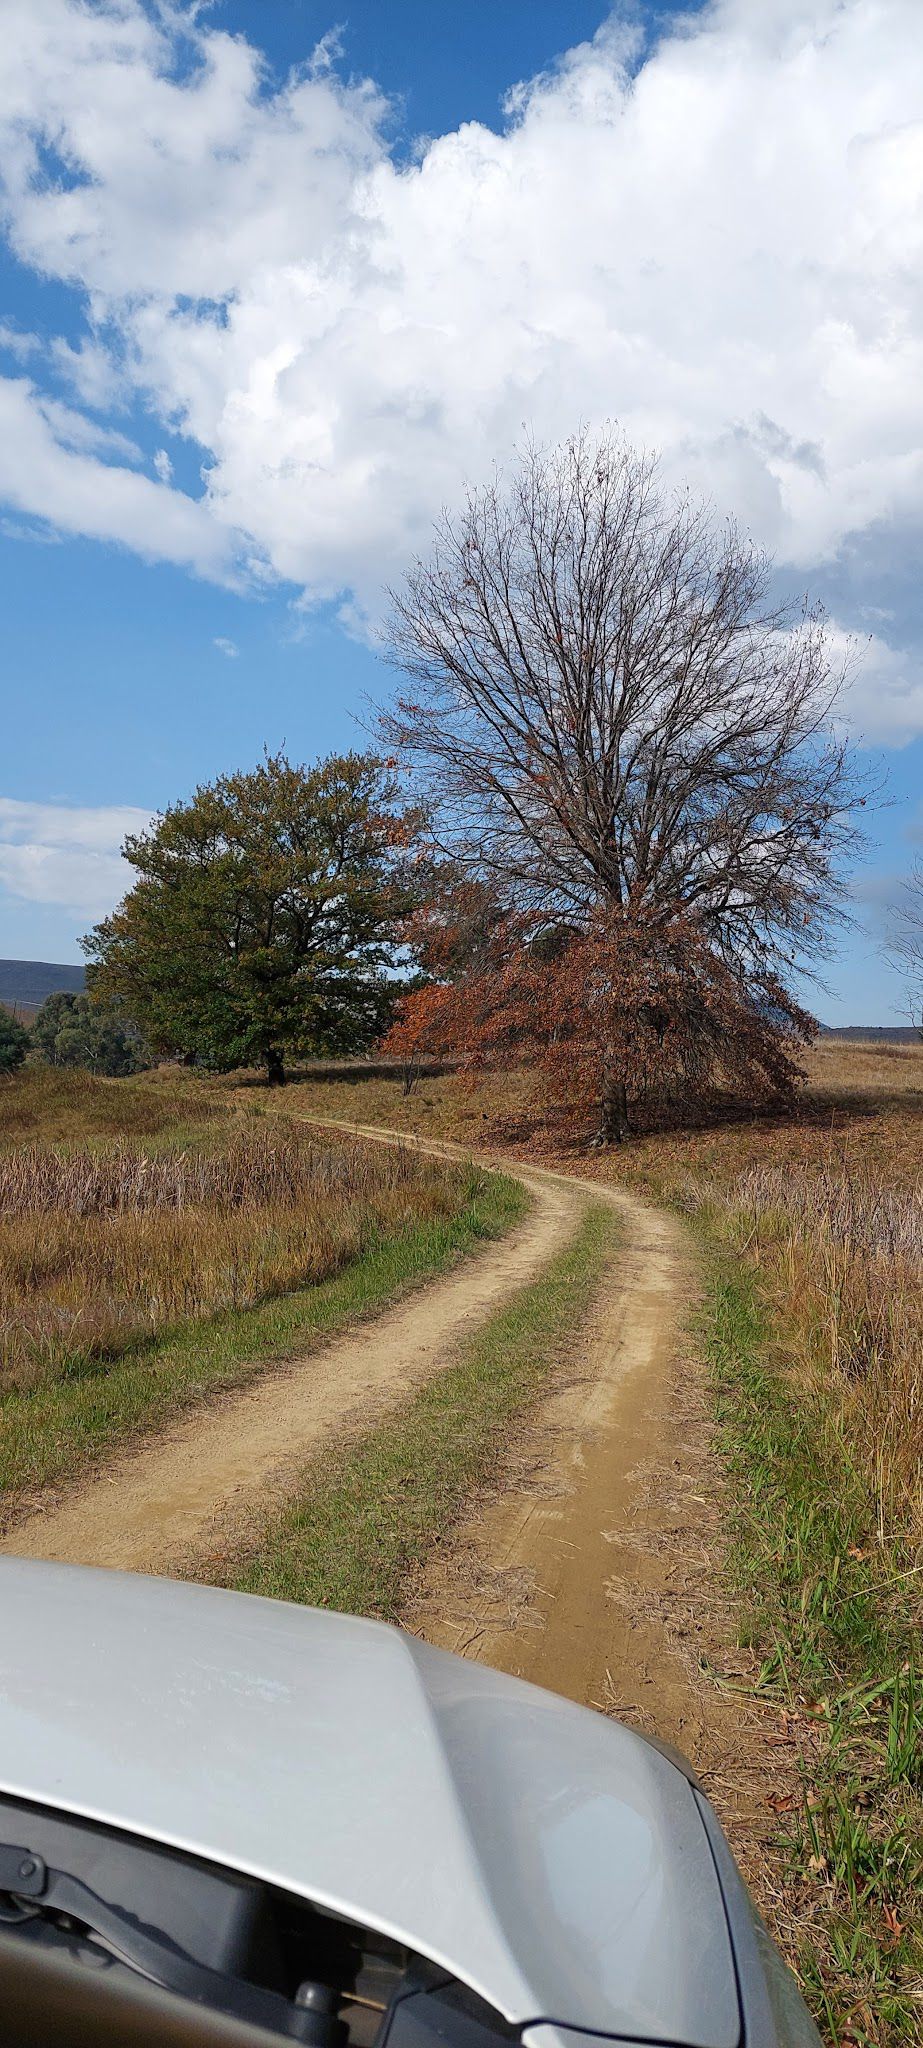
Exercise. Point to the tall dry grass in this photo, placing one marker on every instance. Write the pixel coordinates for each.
(104, 1247)
(842, 1252)
(280, 1167)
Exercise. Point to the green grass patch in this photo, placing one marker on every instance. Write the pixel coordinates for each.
(54, 1430)
(840, 1651)
(367, 1519)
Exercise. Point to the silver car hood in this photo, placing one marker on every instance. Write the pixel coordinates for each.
(543, 1854)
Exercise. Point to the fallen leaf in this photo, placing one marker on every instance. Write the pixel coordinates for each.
(894, 1925)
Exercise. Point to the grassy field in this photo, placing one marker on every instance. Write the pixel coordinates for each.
(158, 1239)
(811, 1227)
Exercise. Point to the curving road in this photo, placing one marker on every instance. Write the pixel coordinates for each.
(562, 1541)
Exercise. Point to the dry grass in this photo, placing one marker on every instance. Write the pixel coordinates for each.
(827, 1203)
(814, 1328)
(109, 1242)
(54, 1103)
(841, 1255)
(440, 1106)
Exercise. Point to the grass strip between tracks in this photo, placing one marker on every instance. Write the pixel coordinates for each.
(367, 1518)
(56, 1430)
(837, 1633)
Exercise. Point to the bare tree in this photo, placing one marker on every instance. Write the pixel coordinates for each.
(607, 709)
(904, 942)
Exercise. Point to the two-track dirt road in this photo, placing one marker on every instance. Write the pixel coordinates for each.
(559, 1576)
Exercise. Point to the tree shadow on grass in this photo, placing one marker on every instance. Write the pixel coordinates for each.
(829, 1111)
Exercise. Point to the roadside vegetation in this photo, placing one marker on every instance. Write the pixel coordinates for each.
(827, 1604)
(367, 1517)
(137, 1272)
(812, 1228)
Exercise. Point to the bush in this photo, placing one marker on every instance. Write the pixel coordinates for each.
(73, 1031)
(14, 1042)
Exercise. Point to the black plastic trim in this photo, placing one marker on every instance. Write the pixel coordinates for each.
(48, 1998)
(157, 1958)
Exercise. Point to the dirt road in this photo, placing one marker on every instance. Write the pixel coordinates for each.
(591, 1567)
(542, 1581)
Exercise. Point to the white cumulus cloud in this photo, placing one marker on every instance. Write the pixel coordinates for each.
(716, 240)
(48, 471)
(67, 855)
(883, 699)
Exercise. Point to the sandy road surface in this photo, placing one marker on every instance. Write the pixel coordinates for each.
(596, 1470)
(590, 1569)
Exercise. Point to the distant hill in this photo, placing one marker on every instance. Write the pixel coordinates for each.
(890, 1034)
(24, 984)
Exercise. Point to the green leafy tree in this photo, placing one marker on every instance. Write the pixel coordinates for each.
(74, 1031)
(14, 1042)
(266, 916)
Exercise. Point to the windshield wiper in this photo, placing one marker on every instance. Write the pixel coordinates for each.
(35, 1889)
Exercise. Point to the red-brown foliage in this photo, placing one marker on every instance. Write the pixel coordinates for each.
(624, 1013)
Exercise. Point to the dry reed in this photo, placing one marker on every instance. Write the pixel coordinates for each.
(103, 1248)
(845, 1252)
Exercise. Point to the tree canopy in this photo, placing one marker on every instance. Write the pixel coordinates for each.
(72, 1030)
(613, 1014)
(622, 737)
(14, 1041)
(265, 917)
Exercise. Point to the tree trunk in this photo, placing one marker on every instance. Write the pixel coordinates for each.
(614, 1126)
(275, 1071)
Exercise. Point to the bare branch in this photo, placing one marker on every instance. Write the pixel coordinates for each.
(606, 707)
(904, 942)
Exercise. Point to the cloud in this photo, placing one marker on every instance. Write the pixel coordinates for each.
(19, 344)
(89, 370)
(228, 647)
(56, 854)
(19, 529)
(74, 430)
(47, 473)
(716, 239)
(163, 467)
(883, 700)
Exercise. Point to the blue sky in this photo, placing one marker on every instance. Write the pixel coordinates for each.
(269, 295)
